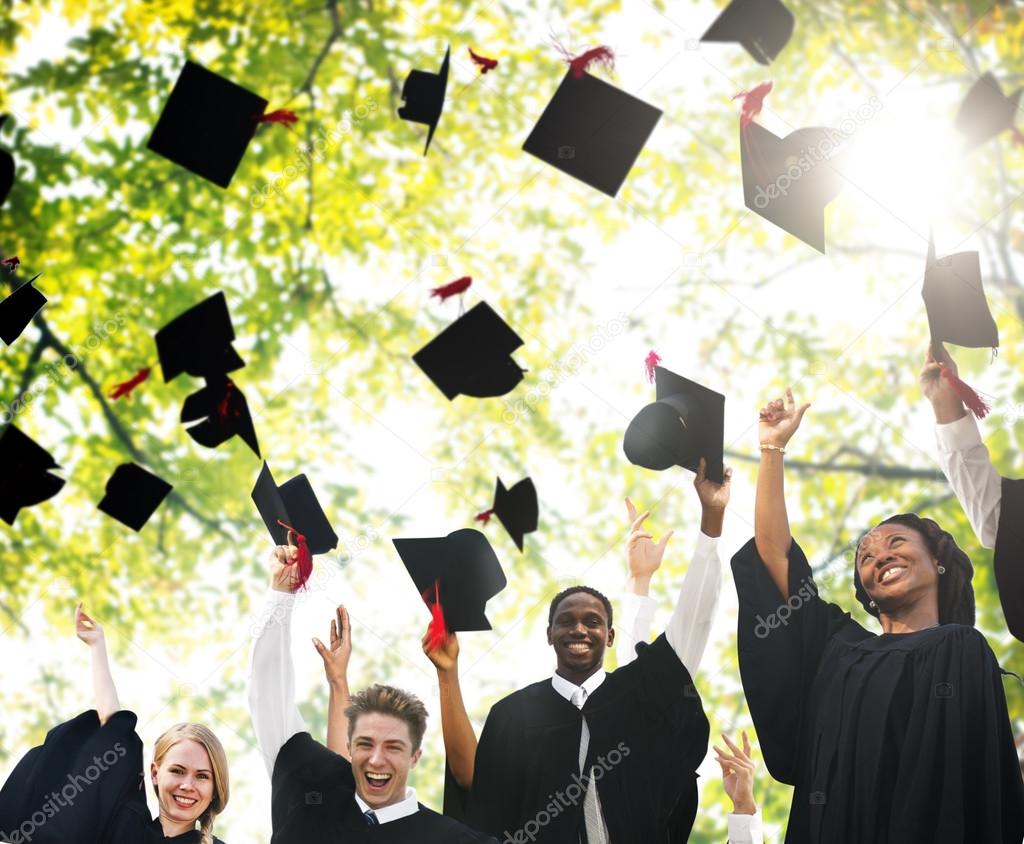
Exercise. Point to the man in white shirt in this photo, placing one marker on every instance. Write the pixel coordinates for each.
(317, 794)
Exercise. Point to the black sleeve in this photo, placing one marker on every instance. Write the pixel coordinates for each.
(496, 798)
(1009, 556)
(456, 798)
(780, 645)
(303, 771)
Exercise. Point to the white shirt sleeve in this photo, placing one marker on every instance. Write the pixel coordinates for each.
(690, 625)
(966, 464)
(746, 829)
(636, 618)
(275, 715)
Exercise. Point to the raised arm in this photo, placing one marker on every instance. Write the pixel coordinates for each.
(459, 738)
(738, 781)
(644, 557)
(336, 659)
(102, 681)
(778, 422)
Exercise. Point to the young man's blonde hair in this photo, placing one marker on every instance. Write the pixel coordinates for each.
(387, 700)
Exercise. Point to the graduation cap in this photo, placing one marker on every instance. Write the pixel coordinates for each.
(6, 168)
(685, 423)
(593, 131)
(133, 495)
(986, 111)
(516, 509)
(958, 313)
(794, 203)
(207, 123)
(763, 27)
(18, 310)
(458, 572)
(26, 479)
(472, 356)
(225, 414)
(199, 341)
(423, 94)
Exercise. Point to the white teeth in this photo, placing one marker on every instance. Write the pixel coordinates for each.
(378, 777)
(185, 801)
(890, 573)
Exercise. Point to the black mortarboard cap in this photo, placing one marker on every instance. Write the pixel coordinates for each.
(207, 123)
(770, 189)
(133, 495)
(6, 169)
(295, 504)
(516, 509)
(685, 423)
(986, 111)
(472, 356)
(466, 570)
(954, 298)
(25, 479)
(225, 414)
(423, 93)
(593, 131)
(763, 27)
(18, 310)
(199, 341)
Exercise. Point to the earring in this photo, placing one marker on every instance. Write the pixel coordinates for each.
(942, 569)
(872, 604)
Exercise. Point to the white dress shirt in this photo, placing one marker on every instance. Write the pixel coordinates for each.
(275, 715)
(968, 468)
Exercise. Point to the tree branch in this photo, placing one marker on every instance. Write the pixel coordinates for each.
(877, 470)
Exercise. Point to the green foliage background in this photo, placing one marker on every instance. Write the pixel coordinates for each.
(327, 279)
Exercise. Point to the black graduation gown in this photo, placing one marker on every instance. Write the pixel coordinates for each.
(888, 739)
(1008, 560)
(648, 734)
(313, 800)
(84, 785)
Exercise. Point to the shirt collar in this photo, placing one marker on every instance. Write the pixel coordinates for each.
(566, 689)
(401, 809)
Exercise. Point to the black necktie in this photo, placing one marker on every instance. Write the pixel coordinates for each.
(371, 818)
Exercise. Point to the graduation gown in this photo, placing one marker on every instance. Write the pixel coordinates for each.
(648, 734)
(888, 739)
(84, 785)
(313, 799)
(1008, 560)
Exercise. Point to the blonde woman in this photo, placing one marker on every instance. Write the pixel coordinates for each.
(86, 783)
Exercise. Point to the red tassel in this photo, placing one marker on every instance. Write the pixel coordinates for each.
(452, 288)
(975, 403)
(484, 517)
(437, 630)
(753, 102)
(11, 263)
(581, 63)
(304, 559)
(125, 388)
(651, 361)
(283, 116)
(485, 63)
(224, 408)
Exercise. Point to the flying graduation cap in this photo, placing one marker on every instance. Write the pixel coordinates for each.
(207, 124)
(794, 203)
(987, 111)
(26, 479)
(592, 131)
(958, 313)
(473, 356)
(19, 309)
(516, 509)
(423, 94)
(455, 575)
(133, 495)
(763, 27)
(292, 509)
(6, 168)
(198, 341)
(685, 423)
(224, 413)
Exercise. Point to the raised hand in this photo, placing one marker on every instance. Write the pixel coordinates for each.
(712, 496)
(446, 657)
(88, 630)
(336, 656)
(645, 555)
(779, 420)
(938, 390)
(738, 775)
(284, 570)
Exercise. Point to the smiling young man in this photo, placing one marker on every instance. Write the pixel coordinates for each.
(359, 793)
(588, 755)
